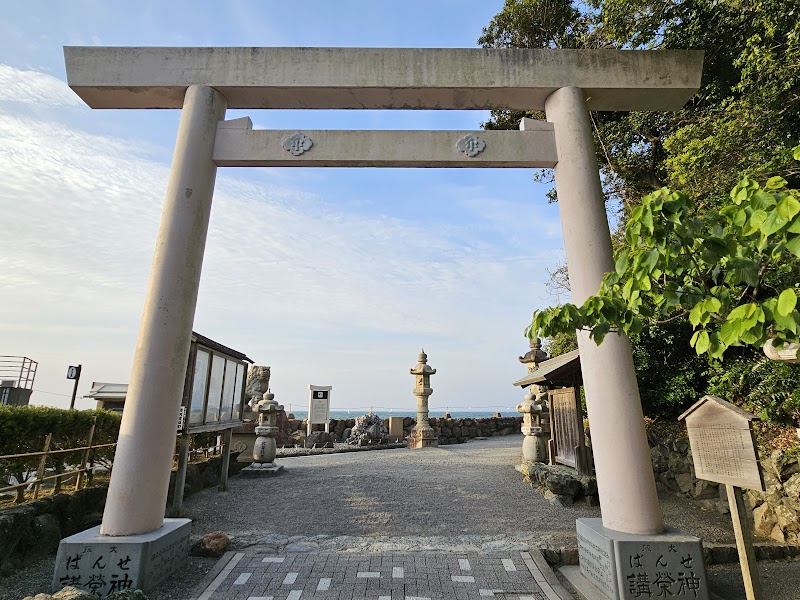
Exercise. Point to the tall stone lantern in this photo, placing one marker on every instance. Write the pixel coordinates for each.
(422, 435)
(534, 409)
(265, 448)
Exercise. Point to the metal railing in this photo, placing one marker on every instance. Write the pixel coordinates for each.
(20, 369)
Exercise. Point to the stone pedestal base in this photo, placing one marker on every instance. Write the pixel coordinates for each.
(102, 564)
(534, 448)
(628, 566)
(261, 470)
(422, 438)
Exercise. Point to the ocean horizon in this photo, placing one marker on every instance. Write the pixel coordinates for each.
(455, 413)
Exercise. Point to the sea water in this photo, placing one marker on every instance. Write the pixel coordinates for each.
(405, 412)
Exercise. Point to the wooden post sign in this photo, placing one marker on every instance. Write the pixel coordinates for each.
(319, 406)
(724, 451)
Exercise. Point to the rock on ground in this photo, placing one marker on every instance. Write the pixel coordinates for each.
(212, 544)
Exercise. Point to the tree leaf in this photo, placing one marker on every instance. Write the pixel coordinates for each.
(647, 219)
(762, 200)
(775, 183)
(712, 304)
(716, 248)
(785, 322)
(599, 332)
(696, 314)
(786, 302)
(773, 223)
(788, 207)
(729, 332)
(743, 269)
(745, 311)
(621, 264)
(793, 245)
(756, 221)
(740, 218)
(703, 342)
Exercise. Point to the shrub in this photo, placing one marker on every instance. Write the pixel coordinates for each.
(23, 429)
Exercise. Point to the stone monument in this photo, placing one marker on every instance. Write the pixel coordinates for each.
(422, 435)
(534, 409)
(265, 448)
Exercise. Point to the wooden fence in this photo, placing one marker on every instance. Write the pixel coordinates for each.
(86, 465)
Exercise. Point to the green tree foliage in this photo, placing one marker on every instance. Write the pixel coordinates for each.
(561, 343)
(669, 373)
(744, 119)
(769, 388)
(23, 429)
(716, 283)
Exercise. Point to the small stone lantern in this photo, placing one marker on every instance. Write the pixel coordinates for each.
(265, 447)
(534, 409)
(422, 435)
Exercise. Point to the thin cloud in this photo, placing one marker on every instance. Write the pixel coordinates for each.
(295, 278)
(35, 89)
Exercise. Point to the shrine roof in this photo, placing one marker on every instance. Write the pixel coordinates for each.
(564, 369)
(209, 343)
(102, 390)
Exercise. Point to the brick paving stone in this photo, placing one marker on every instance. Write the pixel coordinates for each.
(398, 576)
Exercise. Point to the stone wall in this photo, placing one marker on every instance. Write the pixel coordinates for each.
(776, 512)
(449, 431)
(458, 431)
(33, 530)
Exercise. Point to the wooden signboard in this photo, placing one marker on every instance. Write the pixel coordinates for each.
(723, 447)
(724, 450)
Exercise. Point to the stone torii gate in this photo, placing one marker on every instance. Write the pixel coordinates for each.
(204, 82)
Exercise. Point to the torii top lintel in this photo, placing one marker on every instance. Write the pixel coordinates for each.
(383, 78)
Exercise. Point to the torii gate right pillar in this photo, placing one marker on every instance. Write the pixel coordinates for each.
(625, 480)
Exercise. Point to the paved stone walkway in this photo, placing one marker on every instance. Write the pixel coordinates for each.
(382, 576)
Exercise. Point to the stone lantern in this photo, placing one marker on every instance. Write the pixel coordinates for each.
(422, 435)
(535, 410)
(265, 447)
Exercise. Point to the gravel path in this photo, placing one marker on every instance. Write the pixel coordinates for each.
(469, 488)
(466, 496)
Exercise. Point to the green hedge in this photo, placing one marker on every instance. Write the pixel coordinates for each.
(24, 429)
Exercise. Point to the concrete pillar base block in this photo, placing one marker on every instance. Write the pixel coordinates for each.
(102, 564)
(261, 470)
(586, 590)
(626, 565)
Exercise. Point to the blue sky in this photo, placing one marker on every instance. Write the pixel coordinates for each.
(331, 276)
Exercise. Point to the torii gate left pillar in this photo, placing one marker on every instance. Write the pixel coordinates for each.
(137, 494)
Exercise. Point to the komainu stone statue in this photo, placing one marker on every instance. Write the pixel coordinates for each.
(257, 383)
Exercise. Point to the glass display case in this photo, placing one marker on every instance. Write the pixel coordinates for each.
(213, 394)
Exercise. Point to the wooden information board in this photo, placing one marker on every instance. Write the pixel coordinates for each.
(723, 447)
(724, 450)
